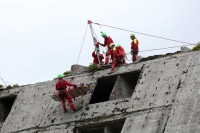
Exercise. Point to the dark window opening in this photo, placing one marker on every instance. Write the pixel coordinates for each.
(5, 107)
(93, 130)
(107, 127)
(103, 89)
(117, 127)
(129, 81)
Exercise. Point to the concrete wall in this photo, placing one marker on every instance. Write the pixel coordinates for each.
(165, 99)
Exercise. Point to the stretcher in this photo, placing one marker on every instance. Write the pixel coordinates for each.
(75, 92)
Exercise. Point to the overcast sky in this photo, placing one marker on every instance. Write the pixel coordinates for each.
(42, 38)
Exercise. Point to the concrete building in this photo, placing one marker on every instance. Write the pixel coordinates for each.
(156, 95)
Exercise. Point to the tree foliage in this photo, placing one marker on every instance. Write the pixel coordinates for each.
(196, 47)
(1, 86)
(91, 67)
(15, 86)
(67, 73)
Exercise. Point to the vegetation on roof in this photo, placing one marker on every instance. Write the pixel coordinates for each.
(1, 86)
(67, 73)
(15, 86)
(196, 47)
(91, 67)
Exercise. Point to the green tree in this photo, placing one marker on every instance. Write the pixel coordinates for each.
(196, 47)
(1, 86)
(91, 67)
(15, 86)
(67, 73)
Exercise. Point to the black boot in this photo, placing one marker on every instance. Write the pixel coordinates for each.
(65, 111)
(74, 110)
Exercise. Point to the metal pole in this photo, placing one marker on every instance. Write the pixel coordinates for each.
(94, 41)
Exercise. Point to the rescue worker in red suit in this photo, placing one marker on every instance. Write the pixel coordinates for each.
(134, 47)
(107, 41)
(61, 86)
(118, 56)
(101, 57)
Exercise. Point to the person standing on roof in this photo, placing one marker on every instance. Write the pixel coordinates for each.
(118, 56)
(134, 47)
(107, 41)
(95, 56)
(61, 86)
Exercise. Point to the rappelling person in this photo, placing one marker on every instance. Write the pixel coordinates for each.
(134, 47)
(118, 56)
(107, 41)
(61, 86)
(96, 55)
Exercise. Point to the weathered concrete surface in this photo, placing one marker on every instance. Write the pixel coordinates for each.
(165, 99)
(185, 112)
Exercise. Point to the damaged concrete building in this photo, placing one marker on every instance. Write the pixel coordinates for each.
(160, 95)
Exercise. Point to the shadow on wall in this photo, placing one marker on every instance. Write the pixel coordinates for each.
(5, 107)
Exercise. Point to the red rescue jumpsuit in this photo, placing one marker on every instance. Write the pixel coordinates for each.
(108, 40)
(95, 61)
(118, 57)
(63, 93)
(134, 48)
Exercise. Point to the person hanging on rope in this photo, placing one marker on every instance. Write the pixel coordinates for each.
(134, 47)
(95, 56)
(118, 56)
(107, 41)
(61, 86)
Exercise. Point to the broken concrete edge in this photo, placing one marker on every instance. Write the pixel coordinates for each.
(83, 68)
(84, 73)
(16, 90)
(141, 59)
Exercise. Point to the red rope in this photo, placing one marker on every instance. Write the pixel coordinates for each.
(81, 47)
(165, 48)
(148, 35)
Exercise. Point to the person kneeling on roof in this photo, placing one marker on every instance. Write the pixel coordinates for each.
(95, 56)
(61, 86)
(118, 56)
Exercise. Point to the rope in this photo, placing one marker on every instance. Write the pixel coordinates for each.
(145, 34)
(98, 41)
(166, 48)
(81, 48)
(162, 48)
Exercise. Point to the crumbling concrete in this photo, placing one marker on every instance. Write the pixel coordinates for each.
(164, 99)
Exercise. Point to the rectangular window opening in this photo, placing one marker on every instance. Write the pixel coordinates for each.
(103, 89)
(5, 107)
(99, 129)
(108, 127)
